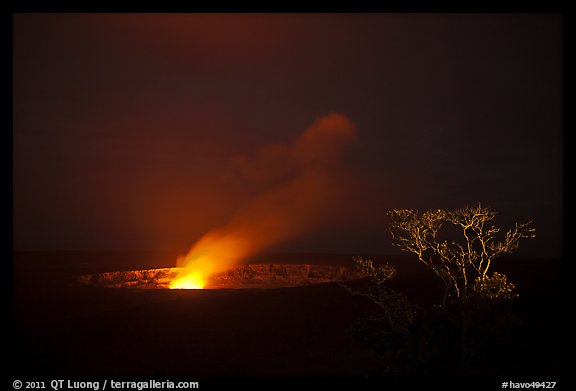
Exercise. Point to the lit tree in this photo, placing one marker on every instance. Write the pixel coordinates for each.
(462, 263)
(459, 246)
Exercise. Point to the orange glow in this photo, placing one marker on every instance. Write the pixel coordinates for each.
(193, 280)
(214, 253)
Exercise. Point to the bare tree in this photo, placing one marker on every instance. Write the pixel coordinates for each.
(463, 261)
(459, 246)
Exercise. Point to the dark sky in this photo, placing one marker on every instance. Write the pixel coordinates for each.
(128, 129)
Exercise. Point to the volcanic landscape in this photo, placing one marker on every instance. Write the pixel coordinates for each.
(69, 323)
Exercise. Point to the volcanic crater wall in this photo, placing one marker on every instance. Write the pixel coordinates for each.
(244, 276)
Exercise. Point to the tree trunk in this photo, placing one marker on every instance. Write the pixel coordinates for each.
(463, 342)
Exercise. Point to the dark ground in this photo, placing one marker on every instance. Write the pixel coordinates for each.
(61, 329)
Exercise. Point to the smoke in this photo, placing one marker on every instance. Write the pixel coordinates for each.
(305, 189)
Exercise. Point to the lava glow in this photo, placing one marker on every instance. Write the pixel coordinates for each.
(189, 281)
(214, 253)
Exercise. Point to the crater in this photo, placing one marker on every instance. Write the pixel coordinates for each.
(239, 277)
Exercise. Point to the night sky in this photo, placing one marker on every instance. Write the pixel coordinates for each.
(144, 131)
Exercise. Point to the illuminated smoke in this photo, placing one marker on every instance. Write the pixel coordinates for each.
(306, 192)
